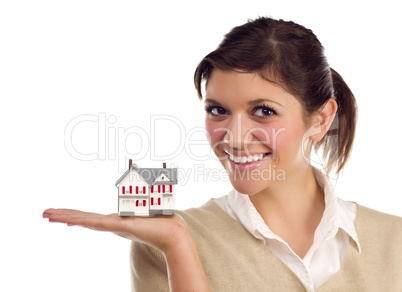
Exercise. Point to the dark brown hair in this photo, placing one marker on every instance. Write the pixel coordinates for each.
(290, 55)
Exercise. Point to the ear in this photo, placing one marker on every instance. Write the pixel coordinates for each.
(323, 119)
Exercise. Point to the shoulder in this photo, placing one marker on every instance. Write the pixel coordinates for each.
(380, 260)
(377, 219)
(378, 230)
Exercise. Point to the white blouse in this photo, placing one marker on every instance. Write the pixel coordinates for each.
(331, 238)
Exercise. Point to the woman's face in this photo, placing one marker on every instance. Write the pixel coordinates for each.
(256, 129)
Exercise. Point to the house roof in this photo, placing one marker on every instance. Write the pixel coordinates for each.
(150, 175)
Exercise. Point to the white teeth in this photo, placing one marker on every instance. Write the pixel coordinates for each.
(245, 159)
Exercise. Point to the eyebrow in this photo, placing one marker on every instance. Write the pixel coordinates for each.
(260, 100)
(212, 101)
(253, 102)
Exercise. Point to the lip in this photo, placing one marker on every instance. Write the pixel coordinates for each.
(248, 165)
(244, 153)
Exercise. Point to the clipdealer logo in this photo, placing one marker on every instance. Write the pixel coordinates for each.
(112, 140)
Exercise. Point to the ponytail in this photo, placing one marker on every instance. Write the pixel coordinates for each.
(338, 142)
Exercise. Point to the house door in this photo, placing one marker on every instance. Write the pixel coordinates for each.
(168, 203)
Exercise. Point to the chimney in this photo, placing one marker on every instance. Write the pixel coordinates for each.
(130, 163)
(164, 165)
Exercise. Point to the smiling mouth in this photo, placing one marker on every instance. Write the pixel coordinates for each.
(247, 159)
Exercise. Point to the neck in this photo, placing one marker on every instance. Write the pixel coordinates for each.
(292, 208)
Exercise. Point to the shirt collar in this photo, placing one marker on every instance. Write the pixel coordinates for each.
(338, 214)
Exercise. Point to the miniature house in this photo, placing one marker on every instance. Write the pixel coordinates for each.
(146, 191)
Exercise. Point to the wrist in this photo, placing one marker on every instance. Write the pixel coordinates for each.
(180, 244)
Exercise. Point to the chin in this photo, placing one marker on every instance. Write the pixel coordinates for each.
(247, 187)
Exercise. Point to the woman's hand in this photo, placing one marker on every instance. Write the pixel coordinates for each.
(170, 234)
(160, 231)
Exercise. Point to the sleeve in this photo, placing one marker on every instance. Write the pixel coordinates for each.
(148, 269)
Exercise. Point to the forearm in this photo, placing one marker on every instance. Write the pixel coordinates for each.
(185, 270)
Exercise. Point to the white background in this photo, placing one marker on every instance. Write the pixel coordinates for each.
(121, 62)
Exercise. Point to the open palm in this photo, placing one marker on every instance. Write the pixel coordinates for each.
(160, 231)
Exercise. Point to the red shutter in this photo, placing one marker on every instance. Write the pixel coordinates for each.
(131, 189)
(159, 201)
(170, 188)
(159, 188)
(136, 190)
(143, 190)
(163, 188)
(123, 190)
(136, 203)
(152, 201)
(152, 189)
(144, 203)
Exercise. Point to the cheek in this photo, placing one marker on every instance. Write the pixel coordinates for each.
(216, 132)
(272, 136)
(280, 137)
(288, 140)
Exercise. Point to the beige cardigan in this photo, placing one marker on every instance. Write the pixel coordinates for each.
(234, 260)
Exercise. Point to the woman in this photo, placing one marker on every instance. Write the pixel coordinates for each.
(270, 99)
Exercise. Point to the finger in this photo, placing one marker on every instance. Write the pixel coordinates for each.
(100, 223)
(64, 215)
(72, 212)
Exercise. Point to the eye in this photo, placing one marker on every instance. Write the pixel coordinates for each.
(263, 111)
(216, 111)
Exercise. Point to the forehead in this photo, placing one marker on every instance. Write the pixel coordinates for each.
(241, 88)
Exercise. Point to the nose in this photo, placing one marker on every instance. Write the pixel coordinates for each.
(239, 132)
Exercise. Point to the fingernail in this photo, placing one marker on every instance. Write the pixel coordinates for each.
(45, 215)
